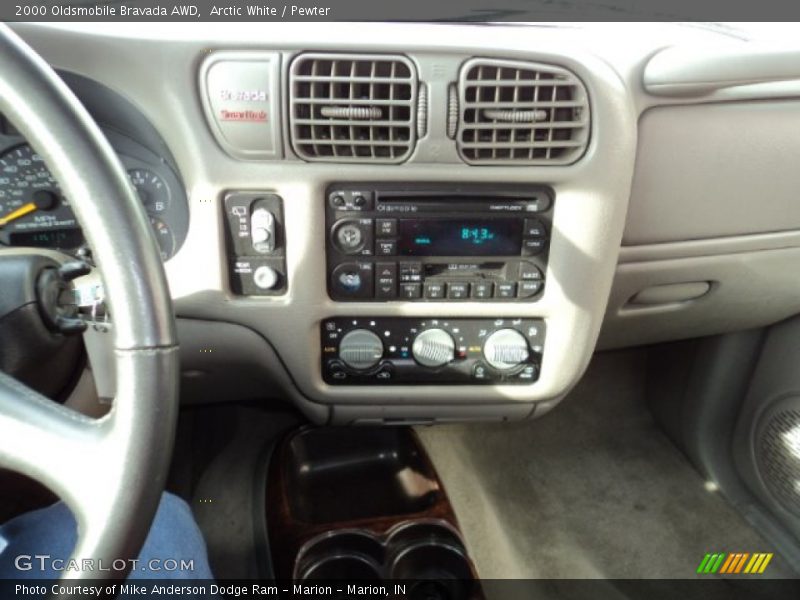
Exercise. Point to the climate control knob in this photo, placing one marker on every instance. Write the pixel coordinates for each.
(360, 349)
(433, 348)
(505, 349)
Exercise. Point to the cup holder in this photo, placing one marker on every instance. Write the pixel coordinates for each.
(433, 557)
(429, 556)
(353, 555)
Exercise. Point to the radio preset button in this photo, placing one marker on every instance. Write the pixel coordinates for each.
(529, 288)
(458, 291)
(434, 290)
(506, 289)
(482, 290)
(411, 291)
(386, 228)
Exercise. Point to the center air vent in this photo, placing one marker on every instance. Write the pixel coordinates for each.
(520, 113)
(353, 107)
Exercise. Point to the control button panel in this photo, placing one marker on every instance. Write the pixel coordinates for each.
(437, 242)
(256, 248)
(410, 351)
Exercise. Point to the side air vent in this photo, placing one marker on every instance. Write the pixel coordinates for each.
(353, 107)
(520, 113)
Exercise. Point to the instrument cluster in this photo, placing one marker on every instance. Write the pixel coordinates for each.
(35, 212)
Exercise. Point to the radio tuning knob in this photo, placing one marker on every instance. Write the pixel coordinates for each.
(505, 349)
(360, 349)
(433, 348)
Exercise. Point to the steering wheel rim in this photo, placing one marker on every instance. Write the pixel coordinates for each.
(109, 471)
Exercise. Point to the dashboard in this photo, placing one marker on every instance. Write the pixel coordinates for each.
(387, 229)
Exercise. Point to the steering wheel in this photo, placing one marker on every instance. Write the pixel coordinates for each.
(110, 471)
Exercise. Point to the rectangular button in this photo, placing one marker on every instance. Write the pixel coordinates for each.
(385, 281)
(457, 291)
(533, 246)
(411, 272)
(410, 291)
(507, 289)
(434, 291)
(534, 228)
(529, 271)
(386, 247)
(386, 228)
(528, 288)
(482, 290)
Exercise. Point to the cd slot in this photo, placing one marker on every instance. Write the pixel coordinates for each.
(448, 204)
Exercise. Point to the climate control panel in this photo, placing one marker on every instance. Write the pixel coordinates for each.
(408, 351)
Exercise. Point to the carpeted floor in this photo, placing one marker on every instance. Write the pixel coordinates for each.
(593, 489)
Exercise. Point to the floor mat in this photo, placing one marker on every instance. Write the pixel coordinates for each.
(593, 489)
(220, 466)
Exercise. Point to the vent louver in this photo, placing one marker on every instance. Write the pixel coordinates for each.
(521, 113)
(353, 107)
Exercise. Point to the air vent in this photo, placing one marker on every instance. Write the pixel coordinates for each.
(521, 113)
(353, 107)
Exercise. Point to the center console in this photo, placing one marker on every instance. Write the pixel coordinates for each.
(435, 243)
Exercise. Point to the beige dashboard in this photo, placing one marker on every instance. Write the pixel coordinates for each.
(679, 219)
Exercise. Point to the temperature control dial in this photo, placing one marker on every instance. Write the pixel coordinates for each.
(433, 348)
(506, 349)
(360, 349)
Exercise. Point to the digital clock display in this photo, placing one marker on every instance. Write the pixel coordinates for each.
(463, 237)
(50, 238)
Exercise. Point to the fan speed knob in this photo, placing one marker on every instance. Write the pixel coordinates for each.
(360, 349)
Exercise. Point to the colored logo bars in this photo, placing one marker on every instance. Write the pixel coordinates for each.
(734, 563)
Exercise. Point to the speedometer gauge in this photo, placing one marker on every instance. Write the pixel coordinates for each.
(33, 211)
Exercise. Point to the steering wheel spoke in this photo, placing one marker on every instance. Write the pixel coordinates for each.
(45, 440)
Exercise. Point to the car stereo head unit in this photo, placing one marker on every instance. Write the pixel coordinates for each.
(437, 242)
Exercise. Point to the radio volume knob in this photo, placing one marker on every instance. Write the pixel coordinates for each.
(505, 349)
(360, 349)
(433, 348)
(349, 237)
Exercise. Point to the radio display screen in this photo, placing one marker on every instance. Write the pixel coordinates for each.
(459, 237)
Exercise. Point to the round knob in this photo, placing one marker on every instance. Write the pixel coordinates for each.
(265, 277)
(349, 238)
(433, 348)
(360, 349)
(505, 349)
